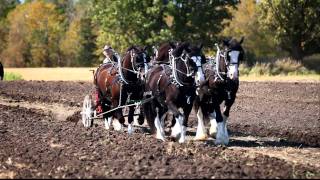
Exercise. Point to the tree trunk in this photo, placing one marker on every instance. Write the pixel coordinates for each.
(297, 52)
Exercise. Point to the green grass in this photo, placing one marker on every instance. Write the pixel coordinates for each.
(12, 76)
(281, 67)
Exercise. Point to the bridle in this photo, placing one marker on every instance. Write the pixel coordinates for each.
(224, 54)
(136, 67)
(184, 57)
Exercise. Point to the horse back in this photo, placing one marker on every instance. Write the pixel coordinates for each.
(105, 76)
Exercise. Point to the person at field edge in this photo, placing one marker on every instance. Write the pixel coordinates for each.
(1, 72)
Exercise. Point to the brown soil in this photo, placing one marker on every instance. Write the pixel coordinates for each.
(274, 130)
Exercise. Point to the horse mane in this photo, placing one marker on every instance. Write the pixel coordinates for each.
(183, 46)
(163, 55)
(132, 47)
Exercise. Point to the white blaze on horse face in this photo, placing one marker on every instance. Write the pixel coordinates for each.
(199, 75)
(233, 68)
(145, 64)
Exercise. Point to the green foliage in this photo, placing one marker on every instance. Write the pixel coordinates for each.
(12, 76)
(198, 21)
(294, 24)
(148, 22)
(6, 6)
(258, 43)
(130, 22)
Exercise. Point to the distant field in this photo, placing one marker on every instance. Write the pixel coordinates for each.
(85, 74)
(54, 74)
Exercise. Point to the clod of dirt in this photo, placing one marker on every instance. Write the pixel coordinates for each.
(75, 117)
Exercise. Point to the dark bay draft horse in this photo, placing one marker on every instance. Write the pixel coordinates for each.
(221, 84)
(194, 52)
(122, 83)
(172, 84)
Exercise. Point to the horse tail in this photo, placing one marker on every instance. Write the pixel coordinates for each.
(150, 114)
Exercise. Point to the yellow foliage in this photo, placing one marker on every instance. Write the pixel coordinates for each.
(33, 35)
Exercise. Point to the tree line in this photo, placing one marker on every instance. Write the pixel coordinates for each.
(57, 33)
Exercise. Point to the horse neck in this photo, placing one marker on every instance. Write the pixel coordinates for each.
(127, 68)
(181, 66)
(222, 65)
(163, 54)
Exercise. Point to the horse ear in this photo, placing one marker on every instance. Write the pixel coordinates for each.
(241, 40)
(201, 46)
(226, 42)
(173, 45)
(145, 48)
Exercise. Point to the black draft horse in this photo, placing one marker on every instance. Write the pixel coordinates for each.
(172, 84)
(221, 84)
(119, 83)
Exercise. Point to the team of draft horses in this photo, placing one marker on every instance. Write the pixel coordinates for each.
(176, 78)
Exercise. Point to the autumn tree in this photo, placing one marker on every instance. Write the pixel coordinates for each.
(5, 7)
(294, 24)
(259, 43)
(34, 35)
(78, 46)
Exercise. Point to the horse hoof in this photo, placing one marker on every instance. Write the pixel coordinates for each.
(213, 133)
(117, 126)
(106, 125)
(222, 141)
(160, 137)
(182, 140)
(175, 133)
(202, 137)
(130, 129)
(140, 121)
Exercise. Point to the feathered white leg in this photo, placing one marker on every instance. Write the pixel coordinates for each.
(175, 131)
(117, 125)
(160, 131)
(213, 124)
(130, 128)
(201, 133)
(107, 123)
(179, 121)
(222, 133)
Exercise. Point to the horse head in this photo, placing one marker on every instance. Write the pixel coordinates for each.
(198, 58)
(161, 54)
(194, 58)
(233, 53)
(136, 61)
